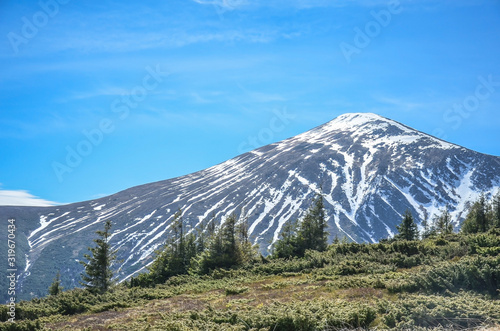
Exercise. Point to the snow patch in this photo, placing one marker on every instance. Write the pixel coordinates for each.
(99, 207)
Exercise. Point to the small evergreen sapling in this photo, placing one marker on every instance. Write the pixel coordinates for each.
(56, 288)
(98, 275)
(407, 229)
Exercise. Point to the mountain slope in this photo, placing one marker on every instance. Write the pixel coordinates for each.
(369, 168)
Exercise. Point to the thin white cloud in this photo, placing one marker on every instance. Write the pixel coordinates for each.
(22, 198)
(226, 4)
(400, 103)
(110, 91)
(126, 41)
(264, 97)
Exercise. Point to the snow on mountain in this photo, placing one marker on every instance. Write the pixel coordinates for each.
(369, 168)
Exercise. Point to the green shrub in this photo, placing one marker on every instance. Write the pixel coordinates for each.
(481, 274)
(235, 290)
(20, 326)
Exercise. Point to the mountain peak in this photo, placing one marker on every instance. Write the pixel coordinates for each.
(370, 130)
(351, 121)
(359, 117)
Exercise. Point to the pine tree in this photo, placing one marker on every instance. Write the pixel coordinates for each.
(55, 288)
(312, 232)
(246, 250)
(175, 257)
(318, 214)
(176, 261)
(211, 226)
(495, 206)
(228, 247)
(98, 275)
(482, 216)
(286, 246)
(442, 223)
(407, 229)
(427, 231)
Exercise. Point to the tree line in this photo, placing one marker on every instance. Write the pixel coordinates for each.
(482, 216)
(209, 247)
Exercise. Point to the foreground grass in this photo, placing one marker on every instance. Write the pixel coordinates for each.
(444, 283)
(290, 303)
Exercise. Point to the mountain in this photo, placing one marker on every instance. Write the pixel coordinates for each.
(369, 168)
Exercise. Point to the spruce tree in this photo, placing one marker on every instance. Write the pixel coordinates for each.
(55, 288)
(98, 275)
(482, 216)
(229, 255)
(427, 230)
(229, 246)
(246, 250)
(321, 234)
(286, 246)
(175, 256)
(312, 231)
(442, 223)
(495, 206)
(407, 229)
(309, 234)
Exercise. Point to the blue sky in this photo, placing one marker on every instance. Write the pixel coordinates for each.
(146, 90)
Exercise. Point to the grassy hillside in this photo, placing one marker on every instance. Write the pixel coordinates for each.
(446, 282)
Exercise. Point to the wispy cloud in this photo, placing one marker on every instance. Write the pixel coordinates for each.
(226, 4)
(22, 198)
(264, 97)
(401, 104)
(109, 91)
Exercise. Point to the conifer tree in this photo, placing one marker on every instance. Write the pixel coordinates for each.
(495, 207)
(407, 229)
(175, 257)
(201, 238)
(98, 275)
(312, 232)
(246, 250)
(442, 223)
(229, 256)
(427, 230)
(482, 216)
(286, 246)
(228, 247)
(211, 226)
(55, 288)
